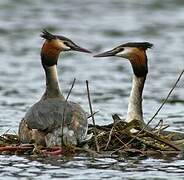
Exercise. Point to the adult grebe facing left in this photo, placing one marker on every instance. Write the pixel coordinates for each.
(135, 52)
(43, 121)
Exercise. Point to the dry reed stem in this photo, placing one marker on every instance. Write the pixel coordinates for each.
(110, 134)
(15, 148)
(120, 141)
(165, 141)
(160, 123)
(64, 110)
(92, 115)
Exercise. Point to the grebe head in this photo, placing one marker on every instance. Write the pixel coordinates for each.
(61, 43)
(135, 52)
(54, 44)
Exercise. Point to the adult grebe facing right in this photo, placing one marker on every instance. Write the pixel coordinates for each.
(43, 121)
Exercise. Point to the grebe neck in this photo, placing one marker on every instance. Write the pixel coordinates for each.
(52, 83)
(135, 100)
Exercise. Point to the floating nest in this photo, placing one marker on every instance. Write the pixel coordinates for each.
(116, 139)
(131, 139)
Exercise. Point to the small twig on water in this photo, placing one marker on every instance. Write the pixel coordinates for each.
(92, 115)
(64, 110)
(163, 128)
(175, 84)
(15, 148)
(160, 127)
(6, 132)
(159, 124)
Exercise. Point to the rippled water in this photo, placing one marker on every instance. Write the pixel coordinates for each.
(97, 25)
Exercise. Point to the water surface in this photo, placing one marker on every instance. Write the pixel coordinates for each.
(99, 26)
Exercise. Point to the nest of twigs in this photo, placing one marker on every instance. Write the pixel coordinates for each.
(116, 139)
(132, 139)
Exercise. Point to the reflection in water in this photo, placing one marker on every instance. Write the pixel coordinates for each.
(97, 25)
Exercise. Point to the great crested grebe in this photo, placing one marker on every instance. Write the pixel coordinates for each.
(42, 123)
(135, 52)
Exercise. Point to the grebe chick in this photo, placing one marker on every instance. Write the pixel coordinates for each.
(42, 123)
(136, 54)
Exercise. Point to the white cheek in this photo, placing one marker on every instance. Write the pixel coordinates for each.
(125, 53)
(63, 46)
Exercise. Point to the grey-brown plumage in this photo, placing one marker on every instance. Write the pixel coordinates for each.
(47, 115)
(43, 121)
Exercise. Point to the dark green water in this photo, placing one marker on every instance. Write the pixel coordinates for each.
(97, 25)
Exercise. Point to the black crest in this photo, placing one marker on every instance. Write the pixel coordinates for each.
(46, 35)
(141, 45)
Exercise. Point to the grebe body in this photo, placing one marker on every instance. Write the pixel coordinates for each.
(43, 123)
